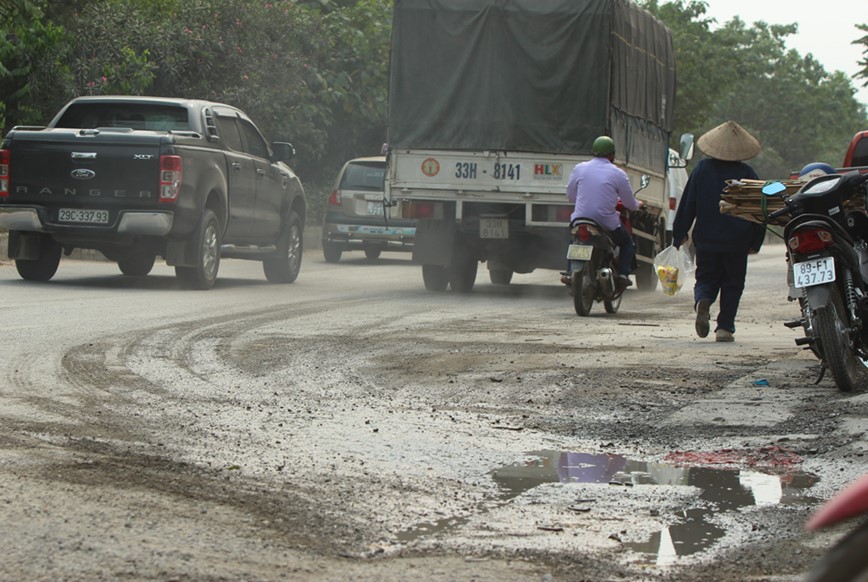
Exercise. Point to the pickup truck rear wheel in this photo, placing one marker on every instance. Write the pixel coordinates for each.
(286, 264)
(136, 263)
(207, 255)
(43, 268)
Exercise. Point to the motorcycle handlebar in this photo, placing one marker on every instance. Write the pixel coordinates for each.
(778, 213)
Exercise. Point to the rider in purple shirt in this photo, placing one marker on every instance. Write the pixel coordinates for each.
(595, 187)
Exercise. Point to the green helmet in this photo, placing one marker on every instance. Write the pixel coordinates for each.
(603, 146)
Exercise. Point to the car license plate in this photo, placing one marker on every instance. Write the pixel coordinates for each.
(814, 272)
(375, 209)
(580, 252)
(83, 216)
(493, 228)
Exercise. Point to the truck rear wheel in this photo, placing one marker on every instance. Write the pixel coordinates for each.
(646, 278)
(462, 273)
(285, 267)
(43, 268)
(206, 238)
(435, 277)
(500, 276)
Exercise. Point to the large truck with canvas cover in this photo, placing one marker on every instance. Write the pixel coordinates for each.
(491, 105)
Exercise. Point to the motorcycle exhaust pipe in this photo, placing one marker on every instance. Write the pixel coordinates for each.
(606, 281)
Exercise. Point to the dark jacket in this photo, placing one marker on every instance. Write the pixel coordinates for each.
(700, 202)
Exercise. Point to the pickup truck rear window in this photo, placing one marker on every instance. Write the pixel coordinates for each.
(133, 116)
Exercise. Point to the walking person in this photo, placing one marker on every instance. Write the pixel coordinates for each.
(722, 242)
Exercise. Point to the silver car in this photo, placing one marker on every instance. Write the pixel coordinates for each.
(357, 217)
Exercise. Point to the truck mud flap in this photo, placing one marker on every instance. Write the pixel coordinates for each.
(435, 242)
(177, 255)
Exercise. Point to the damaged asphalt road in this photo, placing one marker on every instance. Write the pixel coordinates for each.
(355, 426)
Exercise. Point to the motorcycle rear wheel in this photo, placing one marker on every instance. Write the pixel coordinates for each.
(830, 324)
(583, 290)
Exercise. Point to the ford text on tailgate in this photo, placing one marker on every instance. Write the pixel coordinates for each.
(138, 178)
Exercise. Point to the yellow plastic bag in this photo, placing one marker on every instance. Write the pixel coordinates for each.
(673, 267)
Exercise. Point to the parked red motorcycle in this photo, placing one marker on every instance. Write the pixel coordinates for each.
(847, 561)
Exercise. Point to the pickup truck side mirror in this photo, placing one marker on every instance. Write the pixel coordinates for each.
(283, 151)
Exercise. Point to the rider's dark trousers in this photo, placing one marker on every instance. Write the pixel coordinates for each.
(626, 250)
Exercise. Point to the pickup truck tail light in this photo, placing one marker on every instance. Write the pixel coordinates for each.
(4, 173)
(335, 198)
(170, 178)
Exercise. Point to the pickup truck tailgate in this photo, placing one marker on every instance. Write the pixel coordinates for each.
(85, 169)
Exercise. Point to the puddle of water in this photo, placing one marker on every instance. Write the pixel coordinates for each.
(722, 489)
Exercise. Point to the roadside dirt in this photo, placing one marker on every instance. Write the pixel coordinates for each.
(380, 432)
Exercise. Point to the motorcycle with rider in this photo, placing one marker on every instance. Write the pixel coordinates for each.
(601, 255)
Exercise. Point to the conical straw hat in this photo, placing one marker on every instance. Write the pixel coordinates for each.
(729, 141)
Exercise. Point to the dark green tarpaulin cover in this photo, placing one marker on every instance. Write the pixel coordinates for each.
(530, 75)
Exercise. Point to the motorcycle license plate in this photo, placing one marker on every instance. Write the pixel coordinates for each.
(580, 252)
(814, 272)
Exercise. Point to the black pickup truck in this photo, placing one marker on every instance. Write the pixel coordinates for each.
(140, 177)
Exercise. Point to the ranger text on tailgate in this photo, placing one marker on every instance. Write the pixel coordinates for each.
(141, 177)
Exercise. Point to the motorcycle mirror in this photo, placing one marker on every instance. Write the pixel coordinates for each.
(773, 188)
(644, 181)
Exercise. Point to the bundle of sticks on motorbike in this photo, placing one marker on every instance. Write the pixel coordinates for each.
(825, 228)
(744, 198)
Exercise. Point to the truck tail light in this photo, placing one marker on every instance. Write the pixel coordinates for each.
(335, 198)
(563, 213)
(170, 178)
(808, 240)
(422, 209)
(4, 173)
(672, 203)
(551, 213)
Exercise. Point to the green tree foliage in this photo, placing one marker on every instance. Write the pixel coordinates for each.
(863, 62)
(800, 112)
(34, 76)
